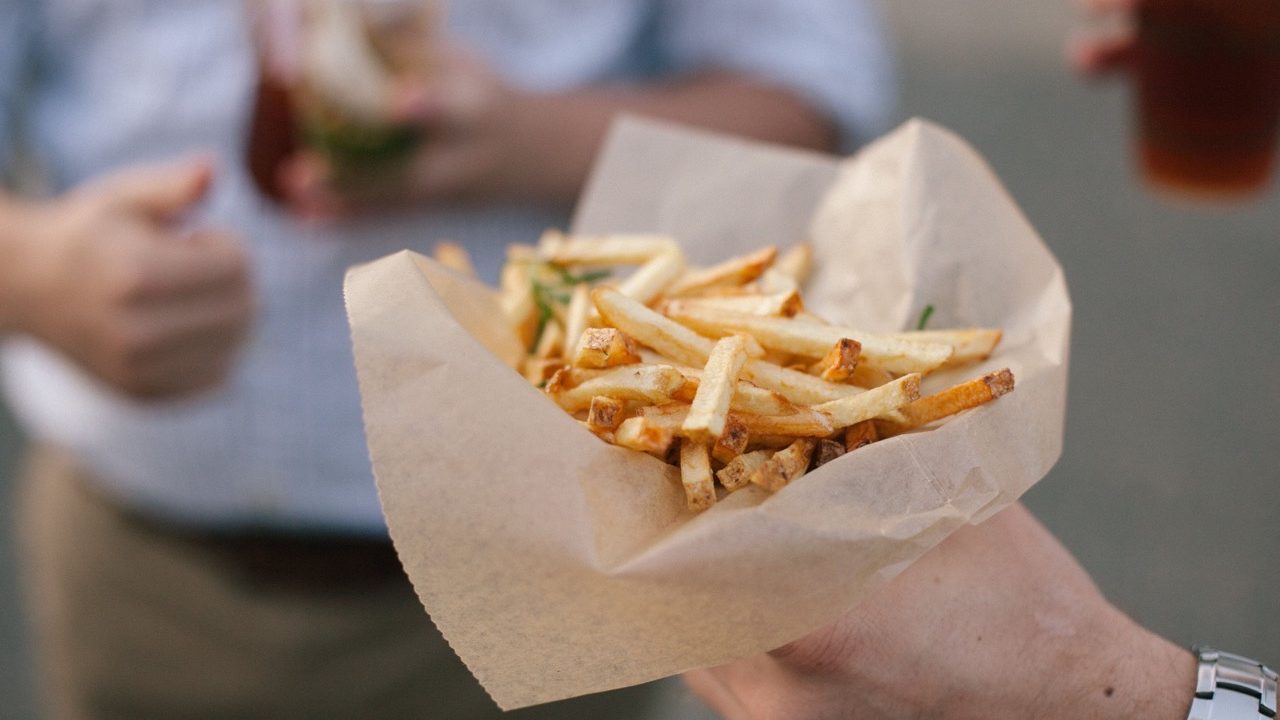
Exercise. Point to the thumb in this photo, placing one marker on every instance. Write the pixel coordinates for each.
(163, 190)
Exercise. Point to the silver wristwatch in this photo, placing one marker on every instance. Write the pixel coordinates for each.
(1230, 687)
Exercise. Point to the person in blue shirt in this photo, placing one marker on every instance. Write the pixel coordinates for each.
(201, 531)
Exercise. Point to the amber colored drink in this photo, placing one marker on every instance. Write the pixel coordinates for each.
(1209, 94)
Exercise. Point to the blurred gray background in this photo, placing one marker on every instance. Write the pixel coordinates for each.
(1169, 486)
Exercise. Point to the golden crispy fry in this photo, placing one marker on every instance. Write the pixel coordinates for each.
(732, 442)
(605, 347)
(710, 406)
(827, 451)
(695, 475)
(650, 328)
(562, 249)
(516, 299)
(968, 346)
(772, 281)
(796, 386)
(653, 384)
(839, 362)
(539, 371)
(865, 376)
(737, 472)
(785, 466)
(455, 257)
(576, 317)
(796, 262)
(859, 434)
(747, 397)
(804, 422)
(783, 304)
(650, 279)
(854, 409)
(815, 340)
(639, 434)
(605, 413)
(955, 399)
(734, 271)
(551, 342)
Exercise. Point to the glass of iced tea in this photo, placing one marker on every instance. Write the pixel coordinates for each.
(1208, 81)
(326, 73)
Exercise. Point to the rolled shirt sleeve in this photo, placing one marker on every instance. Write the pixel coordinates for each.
(833, 53)
(17, 24)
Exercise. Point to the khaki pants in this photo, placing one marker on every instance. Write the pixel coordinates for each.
(130, 622)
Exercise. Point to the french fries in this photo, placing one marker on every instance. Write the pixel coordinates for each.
(721, 370)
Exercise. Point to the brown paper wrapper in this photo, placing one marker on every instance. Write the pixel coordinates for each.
(557, 565)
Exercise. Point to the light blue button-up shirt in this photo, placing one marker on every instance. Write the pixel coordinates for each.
(100, 84)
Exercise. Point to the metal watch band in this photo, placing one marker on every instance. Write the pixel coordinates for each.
(1230, 687)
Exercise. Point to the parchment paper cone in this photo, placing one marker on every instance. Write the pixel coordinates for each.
(557, 565)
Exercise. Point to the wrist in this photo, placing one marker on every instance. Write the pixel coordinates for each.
(19, 222)
(1124, 672)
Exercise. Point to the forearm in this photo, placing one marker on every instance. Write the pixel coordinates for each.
(17, 223)
(559, 134)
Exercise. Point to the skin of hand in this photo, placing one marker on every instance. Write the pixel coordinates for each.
(106, 275)
(998, 621)
(1095, 55)
(483, 140)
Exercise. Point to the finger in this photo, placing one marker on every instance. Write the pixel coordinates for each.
(204, 262)
(162, 191)
(1095, 57)
(710, 689)
(306, 181)
(1104, 7)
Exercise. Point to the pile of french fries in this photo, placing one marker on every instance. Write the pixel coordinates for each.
(719, 370)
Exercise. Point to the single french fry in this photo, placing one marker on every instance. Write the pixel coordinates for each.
(651, 278)
(710, 406)
(539, 371)
(747, 396)
(653, 384)
(734, 271)
(652, 329)
(866, 376)
(969, 345)
(774, 305)
(864, 406)
(695, 475)
(769, 442)
(785, 466)
(813, 340)
(957, 398)
(732, 442)
(605, 347)
(796, 386)
(796, 262)
(551, 342)
(605, 413)
(839, 362)
(636, 249)
(576, 317)
(827, 451)
(859, 434)
(516, 300)
(772, 281)
(638, 434)
(455, 257)
(804, 422)
(737, 472)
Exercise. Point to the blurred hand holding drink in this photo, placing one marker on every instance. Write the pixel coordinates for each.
(1208, 84)
(328, 74)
